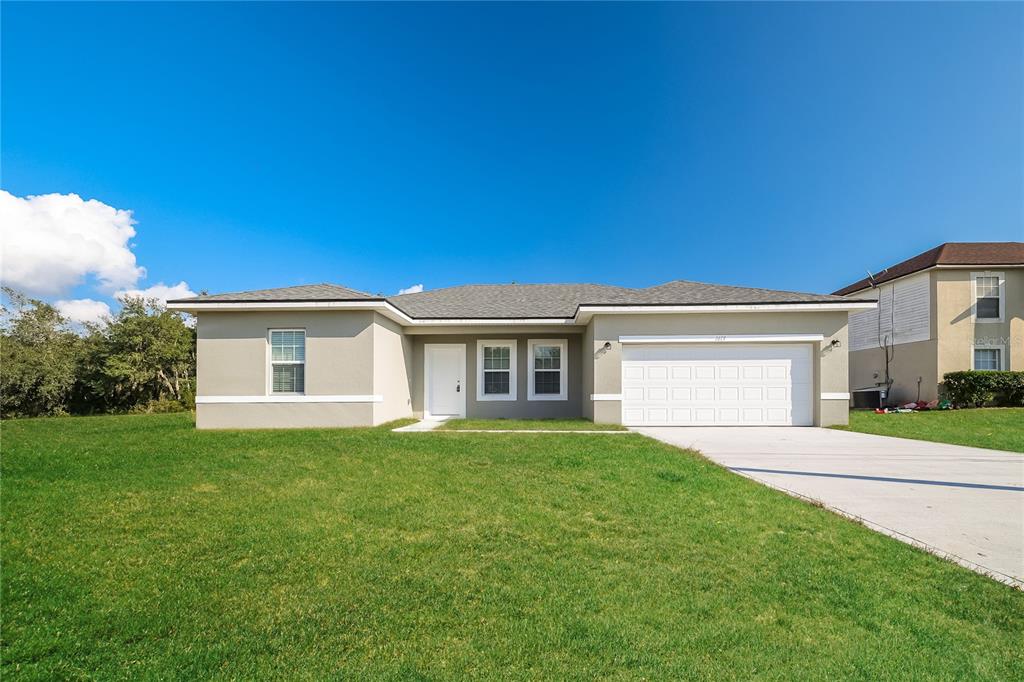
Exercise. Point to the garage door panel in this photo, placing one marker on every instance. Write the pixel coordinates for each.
(721, 384)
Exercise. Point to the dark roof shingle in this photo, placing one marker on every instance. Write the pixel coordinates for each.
(950, 253)
(504, 301)
(304, 292)
(517, 301)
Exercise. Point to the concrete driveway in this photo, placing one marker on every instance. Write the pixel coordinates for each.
(963, 503)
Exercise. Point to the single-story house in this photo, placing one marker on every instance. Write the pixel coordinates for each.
(958, 306)
(678, 354)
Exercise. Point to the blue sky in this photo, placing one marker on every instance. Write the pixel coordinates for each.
(790, 146)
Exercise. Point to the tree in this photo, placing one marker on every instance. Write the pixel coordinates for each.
(39, 356)
(144, 353)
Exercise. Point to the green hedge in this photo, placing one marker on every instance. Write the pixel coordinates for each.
(974, 389)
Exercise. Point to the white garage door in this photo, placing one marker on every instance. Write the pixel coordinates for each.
(720, 385)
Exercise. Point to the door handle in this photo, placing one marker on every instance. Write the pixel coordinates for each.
(458, 387)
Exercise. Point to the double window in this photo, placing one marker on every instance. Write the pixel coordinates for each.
(988, 296)
(287, 361)
(548, 364)
(496, 370)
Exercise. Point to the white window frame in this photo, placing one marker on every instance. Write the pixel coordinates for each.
(271, 363)
(563, 371)
(512, 370)
(990, 346)
(974, 298)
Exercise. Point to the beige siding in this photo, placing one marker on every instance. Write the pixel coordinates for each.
(392, 371)
(521, 408)
(831, 370)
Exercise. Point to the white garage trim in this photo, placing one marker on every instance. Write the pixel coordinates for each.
(726, 338)
(227, 399)
(835, 396)
(755, 384)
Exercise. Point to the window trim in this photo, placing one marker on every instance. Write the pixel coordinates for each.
(563, 371)
(974, 298)
(513, 356)
(271, 363)
(989, 346)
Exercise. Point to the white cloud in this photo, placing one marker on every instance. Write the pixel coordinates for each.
(83, 310)
(414, 289)
(52, 242)
(159, 291)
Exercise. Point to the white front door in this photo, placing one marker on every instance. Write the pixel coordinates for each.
(719, 385)
(444, 380)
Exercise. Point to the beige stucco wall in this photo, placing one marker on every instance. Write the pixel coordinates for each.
(232, 361)
(956, 329)
(283, 415)
(831, 369)
(588, 373)
(521, 408)
(909, 362)
(392, 371)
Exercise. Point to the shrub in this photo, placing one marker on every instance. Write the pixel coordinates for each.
(159, 406)
(974, 389)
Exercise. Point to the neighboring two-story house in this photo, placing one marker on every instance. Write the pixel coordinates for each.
(958, 306)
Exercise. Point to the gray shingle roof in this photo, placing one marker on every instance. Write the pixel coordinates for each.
(505, 300)
(562, 300)
(305, 292)
(509, 301)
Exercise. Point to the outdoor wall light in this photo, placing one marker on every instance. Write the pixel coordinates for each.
(607, 345)
(835, 343)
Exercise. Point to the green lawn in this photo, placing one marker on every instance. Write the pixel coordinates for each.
(999, 428)
(524, 424)
(137, 547)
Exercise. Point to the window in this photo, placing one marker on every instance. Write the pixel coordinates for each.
(547, 374)
(988, 296)
(287, 361)
(496, 370)
(988, 358)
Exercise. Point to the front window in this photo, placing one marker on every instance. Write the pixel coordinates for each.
(988, 358)
(548, 369)
(987, 291)
(287, 361)
(496, 376)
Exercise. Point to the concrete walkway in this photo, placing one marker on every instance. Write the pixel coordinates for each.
(421, 425)
(966, 504)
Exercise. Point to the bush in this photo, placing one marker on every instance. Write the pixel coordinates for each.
(159, 406)
(974, 389)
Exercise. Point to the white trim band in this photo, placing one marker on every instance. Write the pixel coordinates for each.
(606, 396)
(835, 396)
(725, 338)
(237, 399)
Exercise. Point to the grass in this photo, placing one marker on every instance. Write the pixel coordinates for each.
(137, 547)
(995, 428)
(528, 424)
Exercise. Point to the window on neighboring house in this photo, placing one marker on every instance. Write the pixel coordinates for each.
(987, 292)
(988, 358)
(547, 375)
(496, 375)
(287, 361)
